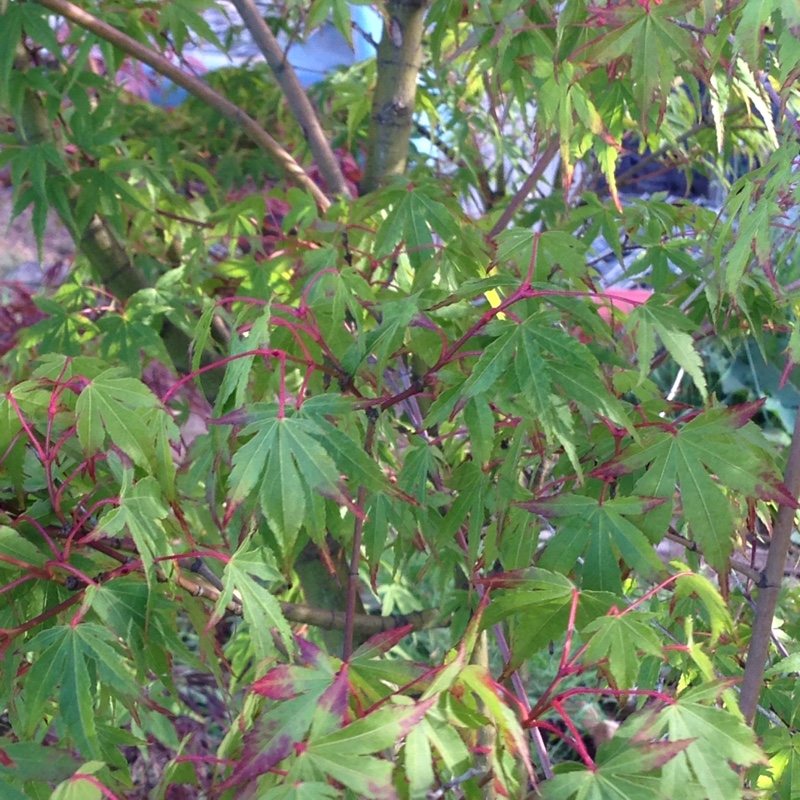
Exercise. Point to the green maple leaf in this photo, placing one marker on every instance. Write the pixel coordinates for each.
(249, 572)
(16, 546)
(124, 339)
(303, 790)
(238, 371)
(624, 776)
(64, 655)
(673, 328)
(347, 754)
(141, 511)
(551, 361)
(720, 741)
(31, 761)
(783, 774)
(542, 600)
(414, 218)
(388, 337)
(273, 737)
(285, 463)
(654, 43)
(116, 408)
(601, 533)
(750, 30)
(492, 364)
(550, 249)
(621, 638)
(709, 445)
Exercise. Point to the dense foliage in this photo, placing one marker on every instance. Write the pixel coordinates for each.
(403, 438)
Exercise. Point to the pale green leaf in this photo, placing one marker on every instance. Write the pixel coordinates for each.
(110, 406)
(418, 762)
(622, 639)
(141, 512)
(249, 574)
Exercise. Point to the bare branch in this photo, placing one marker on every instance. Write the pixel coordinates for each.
(364, 624)
(194, 86)
(295, 95)
(530, 182)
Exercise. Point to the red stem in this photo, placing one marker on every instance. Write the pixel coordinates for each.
(581, 690)
(282, 387)
(18, 582)
(13, 403)
(82, 576)
(42, 532)
(579, 745)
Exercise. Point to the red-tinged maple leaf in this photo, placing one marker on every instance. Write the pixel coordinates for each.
(332, 706)
(382, 642)
(278, 684)
(273, 737)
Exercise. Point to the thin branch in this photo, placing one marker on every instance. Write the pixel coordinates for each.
(355, 556)
(530, 182)
(194, 86)
(363, 624)
(472, 772)
(487, 194)
(745, 569)
(770, 584)
(295, 96)
(777, 643)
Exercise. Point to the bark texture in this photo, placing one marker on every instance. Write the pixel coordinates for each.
(392, 119)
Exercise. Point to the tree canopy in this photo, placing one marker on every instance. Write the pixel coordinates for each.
(429, 431)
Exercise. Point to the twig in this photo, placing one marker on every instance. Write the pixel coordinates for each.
(472, 772)
(355, 556)
(530, 182)
(779, 646)
(745, 569)
(363, 624)
(295, 96)
(488, 196)
(194, 86)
